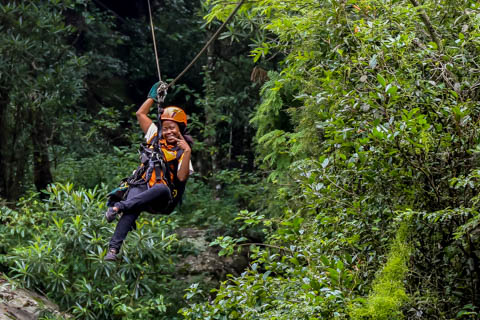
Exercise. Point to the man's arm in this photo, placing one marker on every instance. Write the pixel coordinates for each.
(142, 115)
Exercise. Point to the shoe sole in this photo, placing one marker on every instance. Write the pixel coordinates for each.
(110, 219)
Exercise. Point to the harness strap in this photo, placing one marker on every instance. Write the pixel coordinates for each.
(153, 160)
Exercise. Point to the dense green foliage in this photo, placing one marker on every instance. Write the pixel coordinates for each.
(365, 128)
(40, 75)
(381, 101)
(57, 246)
(215, 208)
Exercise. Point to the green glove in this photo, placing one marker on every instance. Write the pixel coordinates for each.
(153, 92)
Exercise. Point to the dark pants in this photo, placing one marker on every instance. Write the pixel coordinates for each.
(139, 199)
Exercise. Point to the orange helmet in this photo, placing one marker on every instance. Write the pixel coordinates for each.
(174, 113)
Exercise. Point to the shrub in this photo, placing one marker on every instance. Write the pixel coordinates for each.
(215, 207)
(97, 168)
(57, 247)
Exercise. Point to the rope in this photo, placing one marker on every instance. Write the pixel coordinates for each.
(163, 87)
(213, 38)
(154, 42)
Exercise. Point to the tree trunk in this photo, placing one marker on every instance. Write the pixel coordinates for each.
(3, 134)
(210, 115)
(12, 153)
(42, 175)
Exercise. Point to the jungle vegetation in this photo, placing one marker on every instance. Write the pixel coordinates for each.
(336, 142)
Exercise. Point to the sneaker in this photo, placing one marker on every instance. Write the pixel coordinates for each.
(110, 214)
(111, 255)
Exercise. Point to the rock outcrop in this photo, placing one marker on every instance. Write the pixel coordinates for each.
(20, 304)
(206, 260)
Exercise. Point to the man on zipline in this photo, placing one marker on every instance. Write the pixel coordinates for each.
(162, 182)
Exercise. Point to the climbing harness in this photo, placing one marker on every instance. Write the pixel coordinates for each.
(155, 168)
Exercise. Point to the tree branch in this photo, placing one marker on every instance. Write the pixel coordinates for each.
(429, 25)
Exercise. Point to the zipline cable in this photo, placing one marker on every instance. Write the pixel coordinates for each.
(154, 42)
(213, 38)
(209, 42)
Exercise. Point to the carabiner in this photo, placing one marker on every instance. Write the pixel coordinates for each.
(162, 92)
